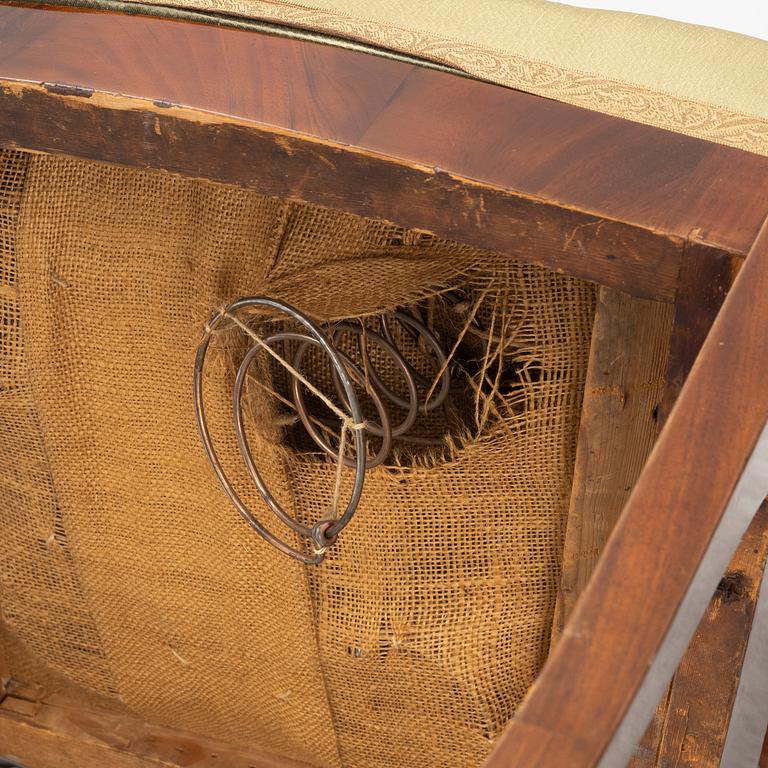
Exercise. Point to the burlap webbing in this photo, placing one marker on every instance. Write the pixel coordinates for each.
(48, 631)
(415, 640)
(203, 630)
(434, 607)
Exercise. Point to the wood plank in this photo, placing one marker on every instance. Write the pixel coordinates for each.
(672, 523)
(624, 386)
(541, 148)
(378, 137)
(51, 732)
(749, 708)
(704, 686)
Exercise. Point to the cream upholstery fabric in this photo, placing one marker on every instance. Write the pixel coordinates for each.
(690, 61)
(690, 79)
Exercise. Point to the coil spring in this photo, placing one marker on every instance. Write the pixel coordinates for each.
(346, 373)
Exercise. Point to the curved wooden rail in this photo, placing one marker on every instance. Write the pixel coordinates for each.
(695, 498)
(594, 196)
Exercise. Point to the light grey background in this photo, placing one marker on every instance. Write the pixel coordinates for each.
(749, 17)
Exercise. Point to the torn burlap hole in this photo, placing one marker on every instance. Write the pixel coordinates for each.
(412, 644)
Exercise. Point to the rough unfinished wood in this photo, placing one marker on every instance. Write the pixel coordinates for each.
(624, 386)
(671, 521)
(698, 707)
(591, 195)
(50, 732)
(275, 163)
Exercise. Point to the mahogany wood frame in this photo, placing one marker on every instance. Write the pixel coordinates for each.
(652, 214)
(580, 192)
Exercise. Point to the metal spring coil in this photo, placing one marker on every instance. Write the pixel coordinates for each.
(345, 375)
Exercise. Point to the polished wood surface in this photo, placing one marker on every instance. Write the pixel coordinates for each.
(584, 193)
(618, 627)
(705, 280)
(49, 731)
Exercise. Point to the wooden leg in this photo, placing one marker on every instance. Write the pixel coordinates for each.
(679, 722)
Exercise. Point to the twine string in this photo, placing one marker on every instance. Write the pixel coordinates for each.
(347, 422)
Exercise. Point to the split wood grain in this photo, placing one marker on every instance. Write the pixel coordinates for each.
(698, 707)
(623, 389)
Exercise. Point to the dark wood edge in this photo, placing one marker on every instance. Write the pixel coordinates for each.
(582, 193)
(649, 581)
(693, 719)
(135, 132)
(35, 724)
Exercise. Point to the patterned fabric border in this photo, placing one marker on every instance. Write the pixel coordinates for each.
(609, 96)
